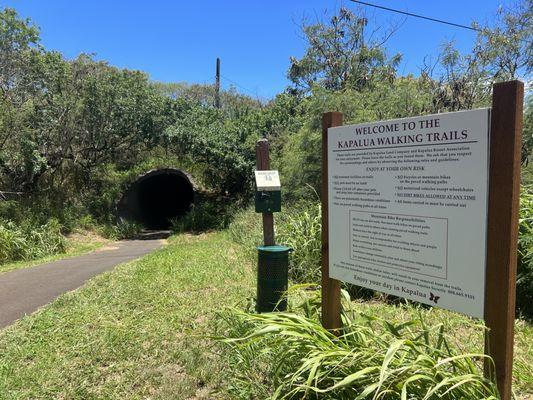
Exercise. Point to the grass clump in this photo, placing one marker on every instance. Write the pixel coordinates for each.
(121, 230)
(246, 229)
(29, 241)
(301, 229)
(298, 227)
(77, 243)
(372, 358)
(524, 281)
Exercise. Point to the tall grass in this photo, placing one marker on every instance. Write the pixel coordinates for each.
(246, 230)
(301, 229)
(524, 281)
(298, 227)
(28, 241)
(119, 231)
(370, 359)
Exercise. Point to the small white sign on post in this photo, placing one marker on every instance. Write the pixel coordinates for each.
(408, 207)
(267, 180)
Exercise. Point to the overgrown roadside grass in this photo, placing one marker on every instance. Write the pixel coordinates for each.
(77, 243)
(139, 331)
(466, 334)
(143, 331)
(260, 360)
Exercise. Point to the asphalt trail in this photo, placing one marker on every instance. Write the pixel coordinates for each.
(25, 290)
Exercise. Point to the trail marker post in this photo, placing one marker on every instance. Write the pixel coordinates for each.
(426, 208)
(263, 163)
(273, 261)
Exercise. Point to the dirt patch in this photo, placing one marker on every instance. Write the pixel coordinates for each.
(84, 237)
(108, 248)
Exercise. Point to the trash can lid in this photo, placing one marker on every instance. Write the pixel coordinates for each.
(274, 249)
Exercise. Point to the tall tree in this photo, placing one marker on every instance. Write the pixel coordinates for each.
(506, 44)
(342, 53)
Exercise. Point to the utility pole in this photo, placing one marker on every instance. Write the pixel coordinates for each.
(217, 85)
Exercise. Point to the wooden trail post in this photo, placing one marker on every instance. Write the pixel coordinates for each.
(331, 288)
(502, 235)
(263, 163)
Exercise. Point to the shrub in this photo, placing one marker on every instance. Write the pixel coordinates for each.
(224, 147)
(28, 241)
(87, 222)
(204, 216)
(290, 355)
(11, 210)
(122, 230)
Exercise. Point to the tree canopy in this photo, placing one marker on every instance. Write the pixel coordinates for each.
(64, 123)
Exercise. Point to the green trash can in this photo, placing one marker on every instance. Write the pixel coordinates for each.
(272, 278)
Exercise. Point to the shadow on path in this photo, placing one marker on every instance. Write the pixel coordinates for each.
(153, 235)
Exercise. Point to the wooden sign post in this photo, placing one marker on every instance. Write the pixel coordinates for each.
(263, 163)
(408, 197)
(331, 288)
(502, 237)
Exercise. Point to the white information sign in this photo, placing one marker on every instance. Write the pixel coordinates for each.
(408, 207)
(267, 180)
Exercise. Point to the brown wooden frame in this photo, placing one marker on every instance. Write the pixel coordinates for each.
(502, 229)
(331, 288)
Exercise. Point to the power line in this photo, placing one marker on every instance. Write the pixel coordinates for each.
(239, 86)
(430, 19)
(417, 16)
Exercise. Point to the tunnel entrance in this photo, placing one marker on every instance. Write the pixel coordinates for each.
(157, 197)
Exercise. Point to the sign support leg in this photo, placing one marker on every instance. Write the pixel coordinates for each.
(502, 235)
(331, 288)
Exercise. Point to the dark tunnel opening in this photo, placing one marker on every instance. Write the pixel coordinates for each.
(156, 198)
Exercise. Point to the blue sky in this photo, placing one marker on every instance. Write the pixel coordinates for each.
(177, 41)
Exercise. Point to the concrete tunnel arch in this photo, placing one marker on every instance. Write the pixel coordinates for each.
(157, 197)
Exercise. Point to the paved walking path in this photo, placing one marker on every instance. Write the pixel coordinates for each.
(25, 290)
